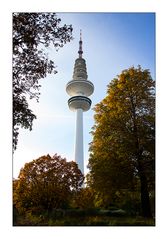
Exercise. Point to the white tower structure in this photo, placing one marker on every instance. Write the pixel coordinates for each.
(79, 88)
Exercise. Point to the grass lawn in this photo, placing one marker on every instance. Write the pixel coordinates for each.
(82, 219)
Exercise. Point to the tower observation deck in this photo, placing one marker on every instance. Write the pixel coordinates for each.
(79, 88)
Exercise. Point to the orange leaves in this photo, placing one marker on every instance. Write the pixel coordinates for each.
(47, 182)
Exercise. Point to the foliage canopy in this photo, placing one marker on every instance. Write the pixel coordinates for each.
(32, 33)
(47, 182)
(123, 148)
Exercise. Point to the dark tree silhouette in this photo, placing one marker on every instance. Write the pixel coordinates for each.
(32, 33)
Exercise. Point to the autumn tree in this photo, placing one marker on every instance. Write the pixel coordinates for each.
(47, 182)
(122, 153)
(84, 198)
(33, 33)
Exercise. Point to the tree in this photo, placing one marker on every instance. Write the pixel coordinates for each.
(47, 182)
(84, 198)
(122, 153)
(32, 34)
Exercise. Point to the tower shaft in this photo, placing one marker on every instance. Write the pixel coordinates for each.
(79, 140)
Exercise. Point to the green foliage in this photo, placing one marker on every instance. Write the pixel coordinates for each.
(46, 183)
(83, 199)
(123, 148)
(32, 34)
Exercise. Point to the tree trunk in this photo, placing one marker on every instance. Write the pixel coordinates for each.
(145, 201)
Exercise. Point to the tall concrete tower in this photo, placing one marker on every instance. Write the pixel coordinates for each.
(79, 88)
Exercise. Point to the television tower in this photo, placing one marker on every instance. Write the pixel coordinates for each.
(79, 88)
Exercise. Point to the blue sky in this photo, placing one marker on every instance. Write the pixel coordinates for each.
(112, 42)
